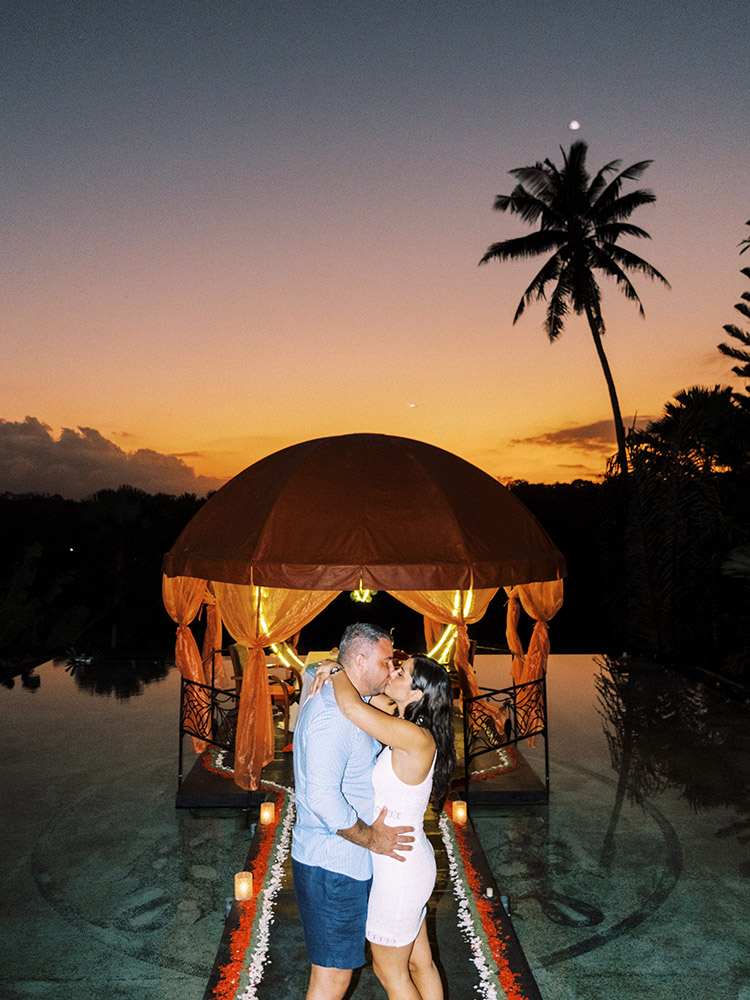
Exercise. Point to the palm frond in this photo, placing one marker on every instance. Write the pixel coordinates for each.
(623, 206)
(557, 310)
(537, 179)
(599, 183)
(627, 259)
(612, 191)
(604, 262)
(635, 170)
(528, 206)
(612, 231)
(536, 290)
(736, 353)
(574, 161)
(737, 333)
(531, 245)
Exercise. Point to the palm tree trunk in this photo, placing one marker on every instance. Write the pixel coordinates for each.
(596, 326)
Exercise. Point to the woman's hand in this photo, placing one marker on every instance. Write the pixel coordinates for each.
(322, 675)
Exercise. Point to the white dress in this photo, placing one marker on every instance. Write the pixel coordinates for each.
(400, 889)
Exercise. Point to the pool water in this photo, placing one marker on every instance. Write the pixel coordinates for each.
(633, 882)
(106, 891)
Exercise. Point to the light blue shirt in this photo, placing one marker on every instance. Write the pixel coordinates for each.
(333, 762)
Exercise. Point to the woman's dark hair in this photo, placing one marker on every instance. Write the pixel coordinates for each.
(434, 711)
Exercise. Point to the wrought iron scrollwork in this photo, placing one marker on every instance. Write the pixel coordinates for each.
(209, 714)
(499, 718)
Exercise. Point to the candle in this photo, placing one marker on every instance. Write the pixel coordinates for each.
(459, 811)
(243, 885)
(267, 813)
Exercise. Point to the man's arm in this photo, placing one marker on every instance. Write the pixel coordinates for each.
(379, 838)
(327, 751)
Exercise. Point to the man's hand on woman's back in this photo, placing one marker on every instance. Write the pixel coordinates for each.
(380, 838)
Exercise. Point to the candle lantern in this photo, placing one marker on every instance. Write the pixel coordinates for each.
(267, 813)
(243, 885)
(459, 811)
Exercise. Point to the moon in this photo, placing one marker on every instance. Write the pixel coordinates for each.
(574, 125)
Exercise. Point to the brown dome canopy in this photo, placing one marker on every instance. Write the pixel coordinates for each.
(365, 510)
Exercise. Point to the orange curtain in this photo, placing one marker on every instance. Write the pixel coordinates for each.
(512, 637)
(214, 665)
(183, 597)
(432, 631)
(540, 601)
(452, 607)
(257, 617)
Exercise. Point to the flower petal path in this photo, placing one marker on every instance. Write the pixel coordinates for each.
(262, 952)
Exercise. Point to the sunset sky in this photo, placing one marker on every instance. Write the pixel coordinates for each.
(232, 226)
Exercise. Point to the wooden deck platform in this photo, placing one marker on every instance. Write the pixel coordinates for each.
(498, 778)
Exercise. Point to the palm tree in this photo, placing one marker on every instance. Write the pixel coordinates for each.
(580, 221)
(702, 432)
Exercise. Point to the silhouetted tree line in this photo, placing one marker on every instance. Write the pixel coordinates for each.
(85, 575)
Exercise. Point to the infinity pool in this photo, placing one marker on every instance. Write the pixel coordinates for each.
(633, 882)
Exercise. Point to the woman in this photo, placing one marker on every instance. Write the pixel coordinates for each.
(415, 765)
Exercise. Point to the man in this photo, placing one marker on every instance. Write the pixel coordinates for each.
(331, 842)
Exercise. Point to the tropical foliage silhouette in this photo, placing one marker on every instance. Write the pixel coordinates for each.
(736, 353)
(581, 219)
(685, 512)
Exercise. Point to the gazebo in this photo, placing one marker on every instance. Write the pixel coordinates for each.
(275, 545)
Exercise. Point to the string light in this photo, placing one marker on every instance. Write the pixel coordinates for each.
(362, 596)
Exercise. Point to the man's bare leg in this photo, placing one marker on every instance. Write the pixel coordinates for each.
(328, 984)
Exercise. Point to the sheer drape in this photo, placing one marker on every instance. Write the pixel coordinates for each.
(541, 601)
(452, 607)
(214, 665)
(432, 632)
(257, 617)
(183, 597)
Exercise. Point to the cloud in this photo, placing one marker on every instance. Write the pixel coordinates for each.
(82, 461)
(598, 437)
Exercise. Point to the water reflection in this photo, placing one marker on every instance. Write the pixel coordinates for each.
(30, 680)
(121, 678)
(666, 731)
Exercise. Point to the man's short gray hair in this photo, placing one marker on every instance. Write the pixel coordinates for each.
(357, 636)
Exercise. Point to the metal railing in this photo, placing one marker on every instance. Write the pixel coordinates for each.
(501, 717)
(209, 714)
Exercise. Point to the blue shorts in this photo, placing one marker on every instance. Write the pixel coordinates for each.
(333, 910)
